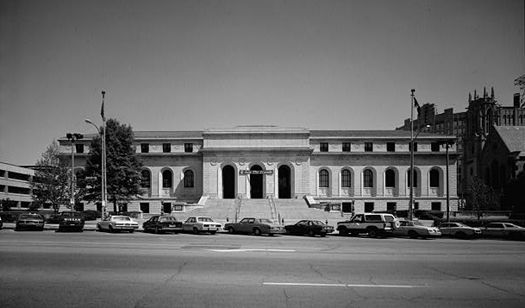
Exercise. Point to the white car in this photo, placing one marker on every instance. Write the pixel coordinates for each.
(459, 230)
(118, 223)
(415, 229)
(198, 224)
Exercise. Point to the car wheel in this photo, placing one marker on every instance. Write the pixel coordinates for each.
(156, 231)
(323, 234)
(195, 231)
(111, 229)
(461, 235)
(311, 233)
(343, 231)
(131, 231)
(256, 231)
(412, 234)
(213, 232)
(231, 230)
(99, 228)
(373, 232)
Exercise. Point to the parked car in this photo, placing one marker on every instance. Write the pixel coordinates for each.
(374, 224)
(256, 226)
(162, 224)
(415, 229)
(459, 230)
(198, 224)
(310, 227)
(117, 223)
(29, 222)
(1, 223)
(504, 230)
(71, 220)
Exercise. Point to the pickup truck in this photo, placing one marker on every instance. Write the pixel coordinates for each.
(374, 224)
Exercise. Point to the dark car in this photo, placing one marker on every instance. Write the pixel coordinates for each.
(1, 223)
(310, 227)
(71, 220)
(504, 230)
(30, 222)
(161, 224)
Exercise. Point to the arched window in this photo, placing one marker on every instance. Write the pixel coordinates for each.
(346, 178)
(145, 180)
(434, 178)
(415, 178)
(368, 178)
(390, 178)
(167, 179)
(324, 178)
(188, 178)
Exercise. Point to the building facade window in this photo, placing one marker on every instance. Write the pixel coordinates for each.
(369, 207)
(415, 178)
(436, 206)
(188, 178)
(390, 178)
(324, 178)
(391, 207)
(346, 178)
(144, 147)
(188, 147)
(323, 147)
(368, 178)
(144, 207)
(347, 146)
(166, 147)
(145, 180)
(79, 148)
(167, 179)
(369, 147)
(416, 206)
(434, 146)
(390, 146)
(434, 178)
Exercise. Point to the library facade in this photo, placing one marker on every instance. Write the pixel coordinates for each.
(368, 169)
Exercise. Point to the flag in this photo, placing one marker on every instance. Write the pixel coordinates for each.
(416, 104)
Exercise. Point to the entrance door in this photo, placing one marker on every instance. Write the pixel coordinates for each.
(285, 187)
(228, 182)
(256, 183)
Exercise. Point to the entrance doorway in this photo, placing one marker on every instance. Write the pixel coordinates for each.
(228, 182)
(256, 183)
(285, 182)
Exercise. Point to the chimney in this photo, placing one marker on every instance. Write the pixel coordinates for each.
(516, 100)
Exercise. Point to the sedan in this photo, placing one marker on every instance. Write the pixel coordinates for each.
(459, 230)
(161, 224)
(30, 222)
(504, 229)
(415, 229)
(256, 226)
(310, 227)
(118, 223)
(201, 224)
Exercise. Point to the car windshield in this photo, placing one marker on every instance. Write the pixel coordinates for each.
(122, 218)
(168, 218)
(317, 222)
(206, 219)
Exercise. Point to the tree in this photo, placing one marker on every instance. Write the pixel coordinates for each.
(122, 166)
(514, 198)
(483, 198)
(51, 181)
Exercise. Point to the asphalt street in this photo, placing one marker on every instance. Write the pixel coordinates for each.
(94, 269)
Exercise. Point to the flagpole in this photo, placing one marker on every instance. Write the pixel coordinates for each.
(104, 184)
(411, 201)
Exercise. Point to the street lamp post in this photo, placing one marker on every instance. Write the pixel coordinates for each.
(72, 137)
(447, 144)
(412, 142)
(102, 132)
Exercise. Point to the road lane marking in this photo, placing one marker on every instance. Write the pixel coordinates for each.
(340, 285)
(253, 250)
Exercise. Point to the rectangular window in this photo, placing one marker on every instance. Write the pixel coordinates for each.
(2, 173)
(188, 147)
(324, 147)
(144, 147)
(391, 207)
(79, 148)
(435, 146)
(18, 176)
(416, 206)
(436, 206)
(369, 207)
(166, 147)
(346, 146)
(144, 207)
(390, 146)
(18, 190)
(2, 188)
(369, 147)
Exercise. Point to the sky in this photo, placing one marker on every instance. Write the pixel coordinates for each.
(193, 65)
